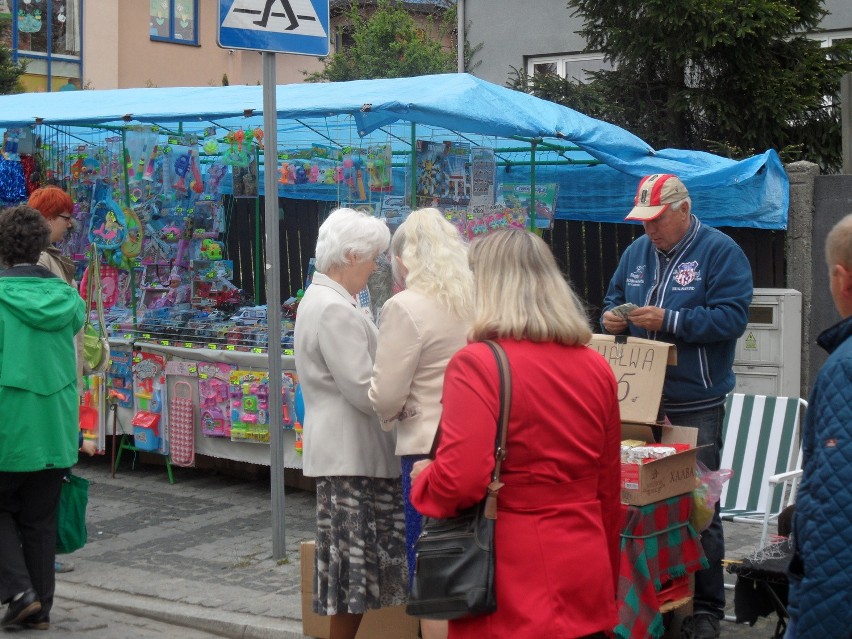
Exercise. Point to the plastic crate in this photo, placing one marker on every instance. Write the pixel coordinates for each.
(674, 590)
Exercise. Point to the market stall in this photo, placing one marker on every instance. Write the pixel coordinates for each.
(157, 176)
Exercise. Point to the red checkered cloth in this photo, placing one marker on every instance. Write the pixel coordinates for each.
(657, 544)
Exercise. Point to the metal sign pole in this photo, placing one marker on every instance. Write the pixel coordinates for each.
(273, 305)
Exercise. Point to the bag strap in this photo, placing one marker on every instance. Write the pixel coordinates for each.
(93, 290)
(505, 375)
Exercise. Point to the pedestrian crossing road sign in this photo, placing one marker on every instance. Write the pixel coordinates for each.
(283, 26)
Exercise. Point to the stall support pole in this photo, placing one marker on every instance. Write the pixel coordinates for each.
(413, 166)
(273, 306)
(533, 145)
(258, 252)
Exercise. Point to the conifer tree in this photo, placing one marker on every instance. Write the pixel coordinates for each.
(731, 76)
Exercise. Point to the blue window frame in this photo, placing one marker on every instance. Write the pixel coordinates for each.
(174, 21)
(47, 35)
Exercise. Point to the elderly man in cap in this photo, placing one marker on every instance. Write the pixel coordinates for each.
(690, 285)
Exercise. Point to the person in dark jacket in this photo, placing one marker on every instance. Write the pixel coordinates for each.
(820, 595)
(689, 285)
(39, 316)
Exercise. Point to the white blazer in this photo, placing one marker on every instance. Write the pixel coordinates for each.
(335, 344)
(417, 337)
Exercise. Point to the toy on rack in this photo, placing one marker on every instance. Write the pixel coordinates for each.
(91, 410)
(299, 406)
(132, 244)
(209, 279)
(214, 392)
(181, 425)
(148, 380)
(379, 165)
(120, 376)
(107, 226)
(235, 155)
(249, 406)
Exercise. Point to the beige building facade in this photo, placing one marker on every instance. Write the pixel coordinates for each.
(117, 44)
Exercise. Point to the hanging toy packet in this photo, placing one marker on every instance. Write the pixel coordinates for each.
(107, 225)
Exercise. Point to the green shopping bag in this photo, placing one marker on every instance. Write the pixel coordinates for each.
(71, 516)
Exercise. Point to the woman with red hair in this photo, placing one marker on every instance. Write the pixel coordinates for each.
(56, 206)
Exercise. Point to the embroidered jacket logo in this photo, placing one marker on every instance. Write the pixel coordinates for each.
(637, 277)
(686, 273)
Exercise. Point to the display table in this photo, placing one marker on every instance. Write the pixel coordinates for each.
(658, 545)
(215, 446)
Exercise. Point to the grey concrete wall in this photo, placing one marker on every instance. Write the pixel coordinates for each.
(509, 30)
(798, 249)
(832, 201)
(839, 15)
(817, 202)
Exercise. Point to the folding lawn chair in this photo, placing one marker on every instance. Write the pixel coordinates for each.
(763, 447)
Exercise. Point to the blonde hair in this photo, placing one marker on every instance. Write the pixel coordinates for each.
(520, 292)
(349, 233)
(838, 243)
(435, 257)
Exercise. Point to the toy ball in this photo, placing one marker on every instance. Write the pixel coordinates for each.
(211, 147)
(347, 163)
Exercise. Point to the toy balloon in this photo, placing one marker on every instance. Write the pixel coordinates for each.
(299, 404)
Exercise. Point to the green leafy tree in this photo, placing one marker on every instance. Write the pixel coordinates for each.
(10, 72)
(388, 43)
(730, 76)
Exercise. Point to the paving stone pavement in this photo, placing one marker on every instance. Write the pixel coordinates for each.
(198, 553)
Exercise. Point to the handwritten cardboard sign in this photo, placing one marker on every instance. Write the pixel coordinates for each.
(639, 366)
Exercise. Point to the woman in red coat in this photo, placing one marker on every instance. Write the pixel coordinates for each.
(557, 529)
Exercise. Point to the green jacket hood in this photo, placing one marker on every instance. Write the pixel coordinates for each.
(45, 304)
(38, 320)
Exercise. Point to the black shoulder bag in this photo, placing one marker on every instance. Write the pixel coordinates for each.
(454, 570)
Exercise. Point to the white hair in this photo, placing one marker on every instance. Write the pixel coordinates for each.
(347, 233)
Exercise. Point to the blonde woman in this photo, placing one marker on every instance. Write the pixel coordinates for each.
(557, 529)
(421, 327)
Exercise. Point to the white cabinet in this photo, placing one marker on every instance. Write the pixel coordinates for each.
(769, 354)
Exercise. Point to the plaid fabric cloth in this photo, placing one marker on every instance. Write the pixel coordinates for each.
(657, 544)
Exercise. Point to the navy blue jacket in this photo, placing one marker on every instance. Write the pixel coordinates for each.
(820, 597)
(704, 284)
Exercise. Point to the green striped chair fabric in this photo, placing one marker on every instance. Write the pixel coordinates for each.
(762, 446)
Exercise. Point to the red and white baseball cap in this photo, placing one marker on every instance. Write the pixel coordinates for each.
(655, 194)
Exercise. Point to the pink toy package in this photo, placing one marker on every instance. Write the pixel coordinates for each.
(214, 398)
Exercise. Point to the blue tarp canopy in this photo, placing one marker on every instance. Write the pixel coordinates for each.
(753, 192)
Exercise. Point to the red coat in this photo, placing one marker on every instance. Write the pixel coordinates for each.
(557, 533)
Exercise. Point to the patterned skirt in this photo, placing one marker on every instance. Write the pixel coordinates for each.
(360, 548)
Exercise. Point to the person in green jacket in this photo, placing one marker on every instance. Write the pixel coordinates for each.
(39, 316)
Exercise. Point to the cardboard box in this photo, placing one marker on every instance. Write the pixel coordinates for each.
(640, 370)
(385, 623)
(662, 478)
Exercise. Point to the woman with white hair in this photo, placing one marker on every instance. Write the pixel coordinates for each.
(360, 547)
(421, 328)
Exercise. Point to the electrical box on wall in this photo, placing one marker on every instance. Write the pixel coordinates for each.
(769, 354)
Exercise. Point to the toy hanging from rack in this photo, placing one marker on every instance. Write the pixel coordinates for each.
(181, 168)
(235, 155)
(258, 137)
(107, 225)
